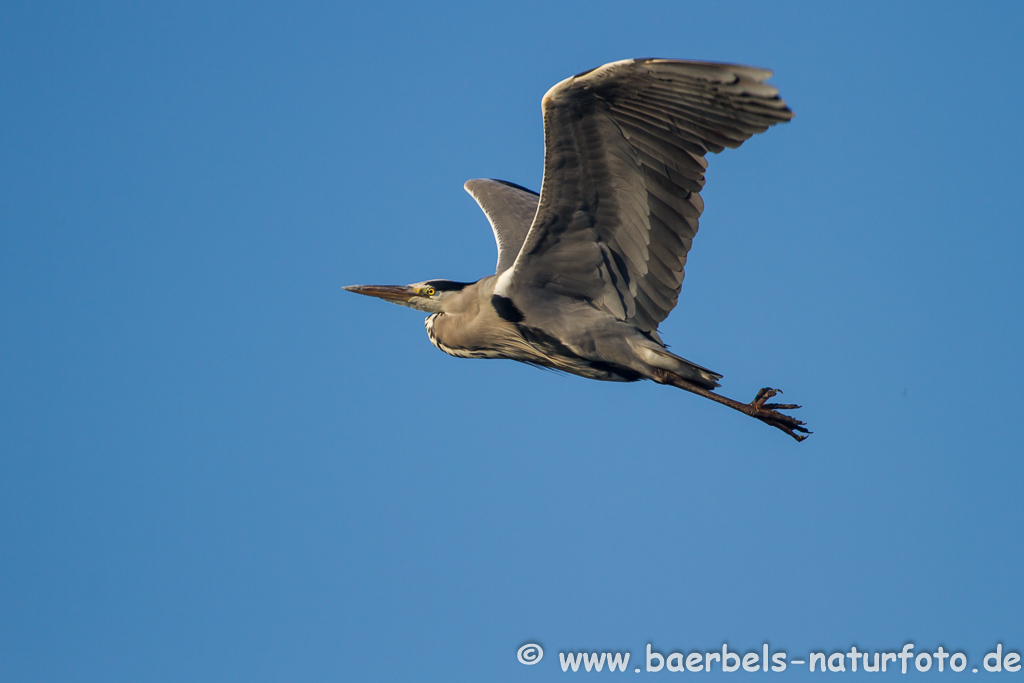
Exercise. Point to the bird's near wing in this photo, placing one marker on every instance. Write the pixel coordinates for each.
(624, 148)
(510, 210)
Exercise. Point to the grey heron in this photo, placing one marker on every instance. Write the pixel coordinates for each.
(588, 268)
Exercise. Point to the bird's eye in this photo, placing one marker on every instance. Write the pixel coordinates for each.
(429, 291)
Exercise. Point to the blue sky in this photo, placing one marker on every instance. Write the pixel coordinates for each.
(217, 465)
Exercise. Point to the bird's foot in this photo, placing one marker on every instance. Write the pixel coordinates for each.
(770, 415)
(758, 408)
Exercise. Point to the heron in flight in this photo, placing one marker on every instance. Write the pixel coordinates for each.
(588, 268)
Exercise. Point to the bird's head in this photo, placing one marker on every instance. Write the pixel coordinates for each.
(432, 296)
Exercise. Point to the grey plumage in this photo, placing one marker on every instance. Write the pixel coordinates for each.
(587, 270)
(510, 210)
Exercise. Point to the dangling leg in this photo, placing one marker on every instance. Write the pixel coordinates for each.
(758, 408)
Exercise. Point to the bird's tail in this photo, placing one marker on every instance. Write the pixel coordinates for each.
(696, 373)
(661, 358)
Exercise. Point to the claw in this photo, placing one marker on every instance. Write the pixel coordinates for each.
(768, 413)
(763, 395)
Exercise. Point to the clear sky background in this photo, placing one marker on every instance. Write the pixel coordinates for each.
(216, 465)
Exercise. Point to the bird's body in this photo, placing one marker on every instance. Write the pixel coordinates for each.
(589, 268)
(481, 324)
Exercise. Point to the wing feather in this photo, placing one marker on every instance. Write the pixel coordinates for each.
(624, 164)
(509, 209)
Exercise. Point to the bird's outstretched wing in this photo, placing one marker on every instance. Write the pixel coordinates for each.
(510, 210)
(624, 148)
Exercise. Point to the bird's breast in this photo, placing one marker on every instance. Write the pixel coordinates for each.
(448, 336)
